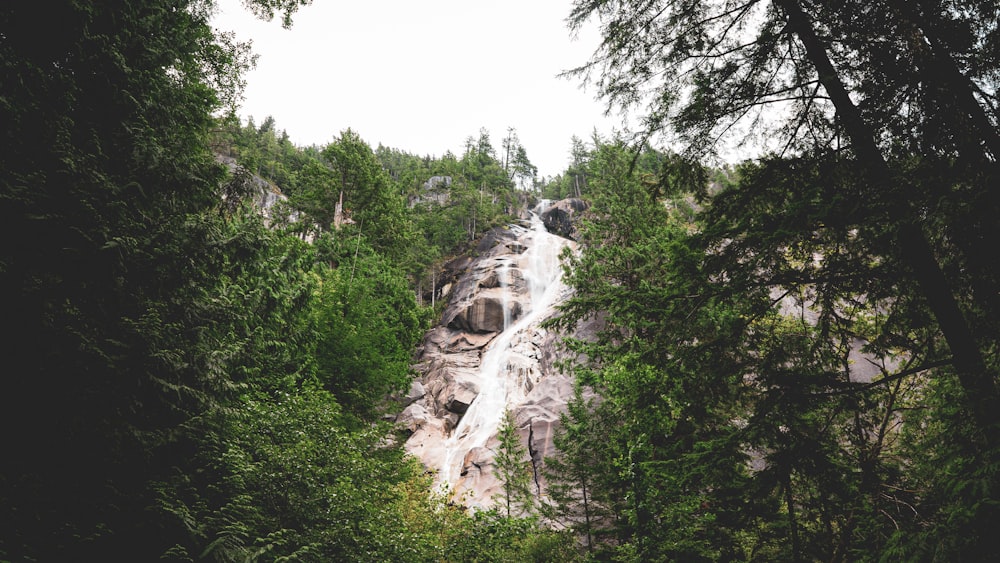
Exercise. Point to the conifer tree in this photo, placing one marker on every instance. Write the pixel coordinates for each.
(513, 469)
(859, 245)
(577, 477)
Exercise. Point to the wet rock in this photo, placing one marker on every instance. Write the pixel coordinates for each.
(501, 277)
(450, 421)
(490, 280)
(457, 440)
(476, 460)
(465, 341)
(517, 247)
(561, 217)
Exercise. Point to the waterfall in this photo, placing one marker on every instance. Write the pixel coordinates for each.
(504, 282)
(543, 259)
(499, 387)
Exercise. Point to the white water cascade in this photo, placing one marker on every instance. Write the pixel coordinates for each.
(501, 373)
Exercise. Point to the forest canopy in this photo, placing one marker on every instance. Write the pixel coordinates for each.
(808, 369)
(185, 380)
(796, 358)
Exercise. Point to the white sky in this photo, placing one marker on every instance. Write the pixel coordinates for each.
(423, 76)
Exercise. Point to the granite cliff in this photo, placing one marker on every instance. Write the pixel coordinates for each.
(489, 354)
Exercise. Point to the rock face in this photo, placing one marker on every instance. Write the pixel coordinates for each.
(489, 354)
(266, 197)
(435, 190)
(863, 367)
(487, 313)
(561, 217)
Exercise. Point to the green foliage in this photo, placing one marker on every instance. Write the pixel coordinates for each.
(187, 384)
(513, 468)
(162, 342)
(366, 191)
(949, 482)
(516, 165)
(493, 537)
(727, 427)
(581, 497)
(368, 324)
(264, 151)
(838, 317)
(372, 187)
(267, 9)
(314, 198)
(573, 182)
(304, 488)
(669, 456)
(121, 329)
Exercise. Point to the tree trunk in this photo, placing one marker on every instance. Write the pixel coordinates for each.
(586, 515)
(978, 386)
(793, 525)
(945, 73)
(954, 89)
(338, 212)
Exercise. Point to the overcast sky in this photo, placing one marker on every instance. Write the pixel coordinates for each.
(423, 76)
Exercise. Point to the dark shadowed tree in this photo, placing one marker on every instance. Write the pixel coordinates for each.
(783, 68)
(126, 332)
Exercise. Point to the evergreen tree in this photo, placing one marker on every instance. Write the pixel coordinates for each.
(731, 418)
(368, 324)
(577, 479)
(161, 337)
(865, 223)
(513, 469)
(734, 69)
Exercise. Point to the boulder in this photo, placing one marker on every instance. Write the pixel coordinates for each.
(415, 393)
(484, 314)
(560, 218)
(490, 280)
(461, 396)
(511, 278)
(413, 418)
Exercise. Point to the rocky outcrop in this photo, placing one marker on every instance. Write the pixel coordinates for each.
(561, 217)
(486, 313)
(488, 354)
(446, 282)
(266, 196)
(460, 396)
(434, 190)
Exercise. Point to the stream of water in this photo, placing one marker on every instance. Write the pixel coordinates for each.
(498, 387)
